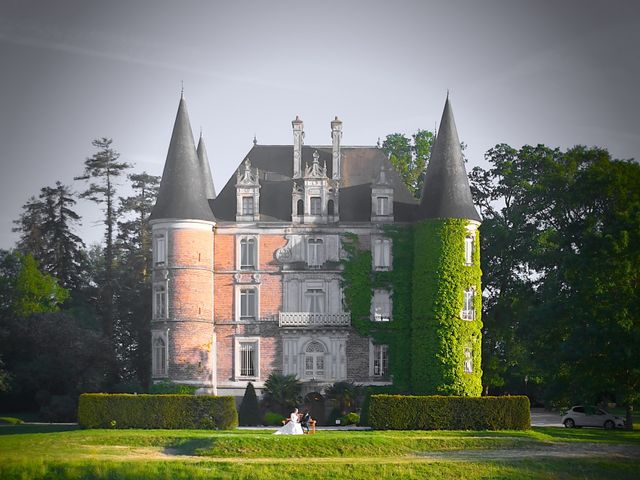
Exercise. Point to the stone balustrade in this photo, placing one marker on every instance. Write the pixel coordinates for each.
(306, 319)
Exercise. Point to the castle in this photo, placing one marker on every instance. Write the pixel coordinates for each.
(250, 281)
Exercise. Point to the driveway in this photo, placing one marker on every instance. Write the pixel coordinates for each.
(543, 418)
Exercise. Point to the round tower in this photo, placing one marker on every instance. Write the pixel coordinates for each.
(446, 324)
(182, 327)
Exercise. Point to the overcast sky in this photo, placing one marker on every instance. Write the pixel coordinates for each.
(521, 72)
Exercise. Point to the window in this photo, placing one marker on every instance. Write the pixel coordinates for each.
(314, 360)
(468, 251)
(159, 357)
(383, 205)
(330, 208)
(380, 360)
(315, 257)
(161, 249)
(381, 306)
(316, 206)
(300, 207)
(247, 206)
(160, 300)
(248, 351)
(468, 360)
(315, 300)
(382, 254)
(468, 311)
(248, 253)
(248, 304)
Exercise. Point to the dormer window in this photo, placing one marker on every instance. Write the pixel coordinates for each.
(247, 205)
(316, 206)
(383, 206)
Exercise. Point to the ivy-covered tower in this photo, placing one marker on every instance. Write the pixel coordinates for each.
(446, 323)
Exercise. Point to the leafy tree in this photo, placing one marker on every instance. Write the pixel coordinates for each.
(4, 378)
(410, 157)
(249, 413)
(282, 392)
(35, 292)
(345, 394)
(102, 171)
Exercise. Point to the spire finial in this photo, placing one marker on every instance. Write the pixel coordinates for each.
(447, 94)
(181, 88)
(378, 143)
(200, 131)
(255, 140)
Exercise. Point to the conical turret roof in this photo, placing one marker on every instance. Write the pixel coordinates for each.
(446, 192)
(205, 168)
(182, 194)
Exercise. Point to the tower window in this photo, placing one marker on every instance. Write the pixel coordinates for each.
(382, 254)
(468, 310)
(248, 304)
(160, 249)
(468, 250)
(316, 206)
(248, 253)
(380, 360)
(160, 301)
(315, 252)
(468, 360)
(159, 358)
(247, 206)
(383, 205)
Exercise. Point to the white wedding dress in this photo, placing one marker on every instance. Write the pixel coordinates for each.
(292, 427)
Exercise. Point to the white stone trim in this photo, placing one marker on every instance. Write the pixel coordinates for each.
(247, 236)
(237, 293)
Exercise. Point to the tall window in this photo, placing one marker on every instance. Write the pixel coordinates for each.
(382, 254)
(316, 206)
(248, 253)
(160, 300)
(315, 256)
(468, 360)
(381, 306)
(380, 360)
(248, 364)
(161, 249)
(468, 250)
(248, 300)
(314, 360)
(300, 207)
(247, 206)
(468, 311)
(330, 208)
(315, 300)
(159, 357)
(383, 205)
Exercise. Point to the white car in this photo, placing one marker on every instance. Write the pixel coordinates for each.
(580, 416)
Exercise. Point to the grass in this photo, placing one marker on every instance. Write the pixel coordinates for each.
(10, 421)
(40, 451)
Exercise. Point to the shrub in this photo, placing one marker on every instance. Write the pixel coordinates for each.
(350, 419)
(373, 390)
(170, 387)
(249, 413)
(100, 410)
(10, 421)
(334, 415)
(408, 412)
(272, 418)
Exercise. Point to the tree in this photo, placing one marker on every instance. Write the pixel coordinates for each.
(282, 392)
(35, 292)
(410, 157)
(30, 227)
(249, 413)
(5, 378)
(345, 394)
(101, 171)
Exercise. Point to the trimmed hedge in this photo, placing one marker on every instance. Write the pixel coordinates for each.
(100, 410)
(435, 412)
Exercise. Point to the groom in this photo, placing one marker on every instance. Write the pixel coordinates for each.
(304, 421)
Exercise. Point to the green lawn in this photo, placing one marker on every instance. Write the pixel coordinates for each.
(30, 451)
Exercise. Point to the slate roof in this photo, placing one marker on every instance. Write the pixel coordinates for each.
(182, 193)
(360, 167)
(203, 159)
(446, 192)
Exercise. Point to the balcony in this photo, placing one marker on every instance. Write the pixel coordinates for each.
(306, 319)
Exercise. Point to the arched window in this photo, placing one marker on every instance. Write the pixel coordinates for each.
(159, 357)
(300, 207)
(330, 208)
(314, 360)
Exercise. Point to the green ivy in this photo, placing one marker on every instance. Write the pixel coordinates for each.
(426, 337)
(439, 334)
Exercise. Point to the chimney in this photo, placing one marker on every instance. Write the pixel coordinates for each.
(298, 141)
(336, 138)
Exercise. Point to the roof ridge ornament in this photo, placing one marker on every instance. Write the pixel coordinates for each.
(315, 170)
(247, 176)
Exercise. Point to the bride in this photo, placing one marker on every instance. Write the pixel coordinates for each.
(292, 427)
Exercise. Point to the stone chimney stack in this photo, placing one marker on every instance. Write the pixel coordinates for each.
(336, 138)
(298, 141)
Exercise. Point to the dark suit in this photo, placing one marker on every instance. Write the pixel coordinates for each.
(304, 423)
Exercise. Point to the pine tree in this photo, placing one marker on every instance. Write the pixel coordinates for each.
(29, 225)
(101, 171)
(249, 413)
